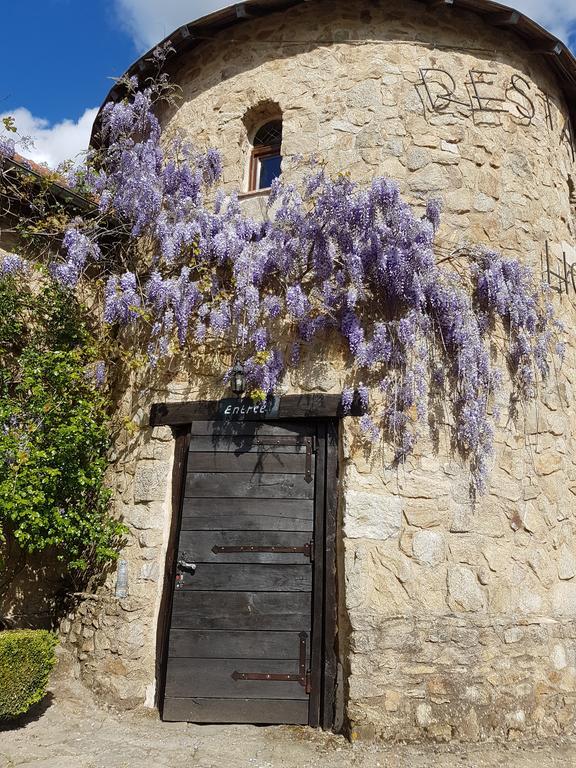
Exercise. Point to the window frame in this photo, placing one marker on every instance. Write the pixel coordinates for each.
(259, 153)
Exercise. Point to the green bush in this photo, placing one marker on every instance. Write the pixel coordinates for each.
(54, 430)
(26, 660)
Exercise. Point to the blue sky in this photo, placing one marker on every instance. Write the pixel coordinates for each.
(59, 56)
(58, 64)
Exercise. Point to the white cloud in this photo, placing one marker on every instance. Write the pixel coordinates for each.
(53, 143)
(558, 16)
(149, 21)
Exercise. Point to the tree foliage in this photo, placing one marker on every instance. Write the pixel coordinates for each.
(54, 431)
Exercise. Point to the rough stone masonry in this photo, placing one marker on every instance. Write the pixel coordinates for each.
(457, 620)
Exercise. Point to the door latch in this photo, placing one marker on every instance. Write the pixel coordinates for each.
(184, 564)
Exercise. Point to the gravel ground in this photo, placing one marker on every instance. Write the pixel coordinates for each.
(70, 731)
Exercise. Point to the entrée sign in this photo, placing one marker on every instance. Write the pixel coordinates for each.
(245, 409)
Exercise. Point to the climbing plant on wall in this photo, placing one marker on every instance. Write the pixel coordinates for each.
(53, 427)
(331, 260)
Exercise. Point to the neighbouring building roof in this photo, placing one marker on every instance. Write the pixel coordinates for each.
(58, 185)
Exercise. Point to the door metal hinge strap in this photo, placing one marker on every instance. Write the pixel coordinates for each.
(271, 677)
(307, 549)
(303, 677)
(308, 442)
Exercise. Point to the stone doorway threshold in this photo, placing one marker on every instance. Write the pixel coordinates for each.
(71, 731)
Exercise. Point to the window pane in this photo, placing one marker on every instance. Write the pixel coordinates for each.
(270, 169)
(269, 135)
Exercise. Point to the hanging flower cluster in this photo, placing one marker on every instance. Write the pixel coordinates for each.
(331, 257)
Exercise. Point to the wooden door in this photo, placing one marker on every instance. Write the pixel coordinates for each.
(243, 642)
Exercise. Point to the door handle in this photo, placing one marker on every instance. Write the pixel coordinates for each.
(184, 565)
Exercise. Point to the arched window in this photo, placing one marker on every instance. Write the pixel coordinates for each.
(266, 159)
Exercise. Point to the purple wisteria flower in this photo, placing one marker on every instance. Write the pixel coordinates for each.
(333, 261)
(80, 250)
(369, 428)
(210, 165)
(363, 397)
(100, 373)
(347, 400)
(122, 299)
(434, 212)
(7, 147)
(296, 301)
(12, 264)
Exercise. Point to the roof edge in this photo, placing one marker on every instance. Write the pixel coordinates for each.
(55, 182)
(550, 48)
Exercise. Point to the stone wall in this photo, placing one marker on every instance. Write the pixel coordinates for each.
(462, 617)
(349, 84)
(457, 620)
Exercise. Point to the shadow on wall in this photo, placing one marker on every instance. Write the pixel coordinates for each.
(34, 589)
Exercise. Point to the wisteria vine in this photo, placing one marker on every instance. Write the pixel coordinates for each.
(331, 257)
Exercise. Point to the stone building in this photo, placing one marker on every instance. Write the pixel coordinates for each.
(445, 619)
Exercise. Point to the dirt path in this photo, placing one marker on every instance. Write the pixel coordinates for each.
(70, 731)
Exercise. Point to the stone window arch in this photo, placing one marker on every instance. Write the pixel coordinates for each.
(264, 128)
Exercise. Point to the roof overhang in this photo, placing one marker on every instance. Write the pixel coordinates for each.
(541, 42)
(23, 167)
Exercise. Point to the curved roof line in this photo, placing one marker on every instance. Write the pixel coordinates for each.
(543, 43)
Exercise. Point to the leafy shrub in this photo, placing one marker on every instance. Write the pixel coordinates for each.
(54, 430)
(26, 660)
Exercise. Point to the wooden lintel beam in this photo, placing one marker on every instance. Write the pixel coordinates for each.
(504, 19)
(319, 406)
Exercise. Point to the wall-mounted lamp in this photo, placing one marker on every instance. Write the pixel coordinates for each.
(238, 379)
